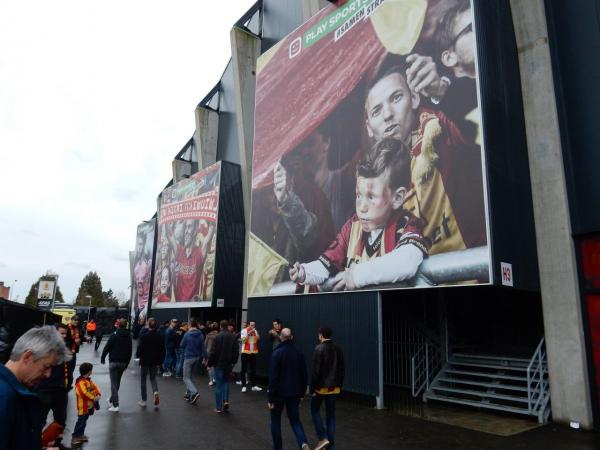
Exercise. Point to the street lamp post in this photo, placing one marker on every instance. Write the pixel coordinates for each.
(89, 297)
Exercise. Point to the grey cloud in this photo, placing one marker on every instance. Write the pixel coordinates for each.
(77, 265)
(124, 194)
(120, 258)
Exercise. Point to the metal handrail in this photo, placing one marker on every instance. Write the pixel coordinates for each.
(537, 385)
(424, 367)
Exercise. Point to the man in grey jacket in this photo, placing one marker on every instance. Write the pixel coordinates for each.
(119, 349)
(192, 346)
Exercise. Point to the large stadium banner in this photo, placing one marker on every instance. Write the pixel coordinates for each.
(142, 265)
(368, 168)
(185, 255)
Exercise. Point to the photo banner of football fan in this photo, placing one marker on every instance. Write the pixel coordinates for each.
(142, 266)
(187, 234)
(368, 166)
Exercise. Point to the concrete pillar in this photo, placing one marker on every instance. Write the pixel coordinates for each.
(563, 322)
(181, 170)
(245, 49)
(206, 136)
(311, 7)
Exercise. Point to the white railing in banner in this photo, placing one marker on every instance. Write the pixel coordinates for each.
(451, 267)
(424, 366)
(538, 387)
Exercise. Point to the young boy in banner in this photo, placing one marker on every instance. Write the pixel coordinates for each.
(88, 395)
(381, 243)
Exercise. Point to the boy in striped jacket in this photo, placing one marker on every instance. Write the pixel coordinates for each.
(87, 395)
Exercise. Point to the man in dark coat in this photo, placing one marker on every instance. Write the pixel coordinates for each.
(325, 384)
(151, 353)
(223, 355)
(287, 386)
(119, 349)
(31, 360)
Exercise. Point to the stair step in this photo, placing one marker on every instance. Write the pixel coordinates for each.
(492, 357)
(487, 374)
(487, 366)
(477, 404)
(482, 394)
(479, 383)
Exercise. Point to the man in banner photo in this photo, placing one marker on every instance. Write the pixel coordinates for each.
(401, 69)
(187, 221)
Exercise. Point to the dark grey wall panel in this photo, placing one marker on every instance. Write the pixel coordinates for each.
(228, 144)
(229, 264)
(509, 187)
(280, 17)
(353, 317)
(574, 30)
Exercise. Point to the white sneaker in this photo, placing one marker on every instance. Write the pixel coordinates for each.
(142, 403)
(109, 402)
(244, 389)
(256, 388)
(211, 383)
(114, 409)
(238, 382)
(166, 374)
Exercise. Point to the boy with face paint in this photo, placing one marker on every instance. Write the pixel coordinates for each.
(446, 171)
(381, 243)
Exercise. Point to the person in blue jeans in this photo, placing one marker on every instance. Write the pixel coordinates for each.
(170, 341)
(287, 385)
(325, 385)
(192, 346)
(223, 355)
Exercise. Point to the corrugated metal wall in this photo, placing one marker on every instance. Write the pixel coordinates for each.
(228, 144)
(280, 17)
(353, 317)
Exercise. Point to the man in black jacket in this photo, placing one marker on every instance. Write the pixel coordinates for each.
(118, 348)
(223, 355)
(325, 384)
(151, 353)
(287, 386)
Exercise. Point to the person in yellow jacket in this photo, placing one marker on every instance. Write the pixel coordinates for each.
(87, 395)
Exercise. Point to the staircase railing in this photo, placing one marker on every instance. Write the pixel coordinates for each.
(538, 387)
(424, 366)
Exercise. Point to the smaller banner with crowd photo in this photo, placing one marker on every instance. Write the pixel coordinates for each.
(141, 266)
(186, 245)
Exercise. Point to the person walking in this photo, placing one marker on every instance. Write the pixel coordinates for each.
(287, 385)
(223, 355)
(192, 346)
(31, 360)
(90, 328)
(210, 338)
(250, 338)
(119, 349)
(87, 395)
(151, 353)
(325, 385)
(74, 335)
(99, 335)
(53, 391)
(170, 343)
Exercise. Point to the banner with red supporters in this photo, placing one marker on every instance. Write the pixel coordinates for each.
(185, 254)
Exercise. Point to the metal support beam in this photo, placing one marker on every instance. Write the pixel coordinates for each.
(206, 135)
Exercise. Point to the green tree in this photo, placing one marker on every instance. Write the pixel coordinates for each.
(32, 297)
(90, 285)
(109, 298)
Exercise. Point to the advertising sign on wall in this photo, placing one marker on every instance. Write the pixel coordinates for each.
(368, 168)
(185, 255)
(142, 265)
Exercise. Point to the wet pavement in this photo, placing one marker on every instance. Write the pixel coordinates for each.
(177, 424)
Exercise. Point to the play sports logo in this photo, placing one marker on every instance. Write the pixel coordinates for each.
(295, 47)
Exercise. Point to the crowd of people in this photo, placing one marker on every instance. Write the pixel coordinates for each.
(39, 375)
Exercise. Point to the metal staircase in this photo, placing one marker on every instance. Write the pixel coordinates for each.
(515, 385)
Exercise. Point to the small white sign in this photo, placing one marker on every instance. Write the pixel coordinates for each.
(220, 303)
(507, 273)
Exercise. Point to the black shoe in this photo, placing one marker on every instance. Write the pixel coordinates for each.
(186, 398)
(226, 406)
(194, 398)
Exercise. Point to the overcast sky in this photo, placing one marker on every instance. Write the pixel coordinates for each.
(96, 98)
